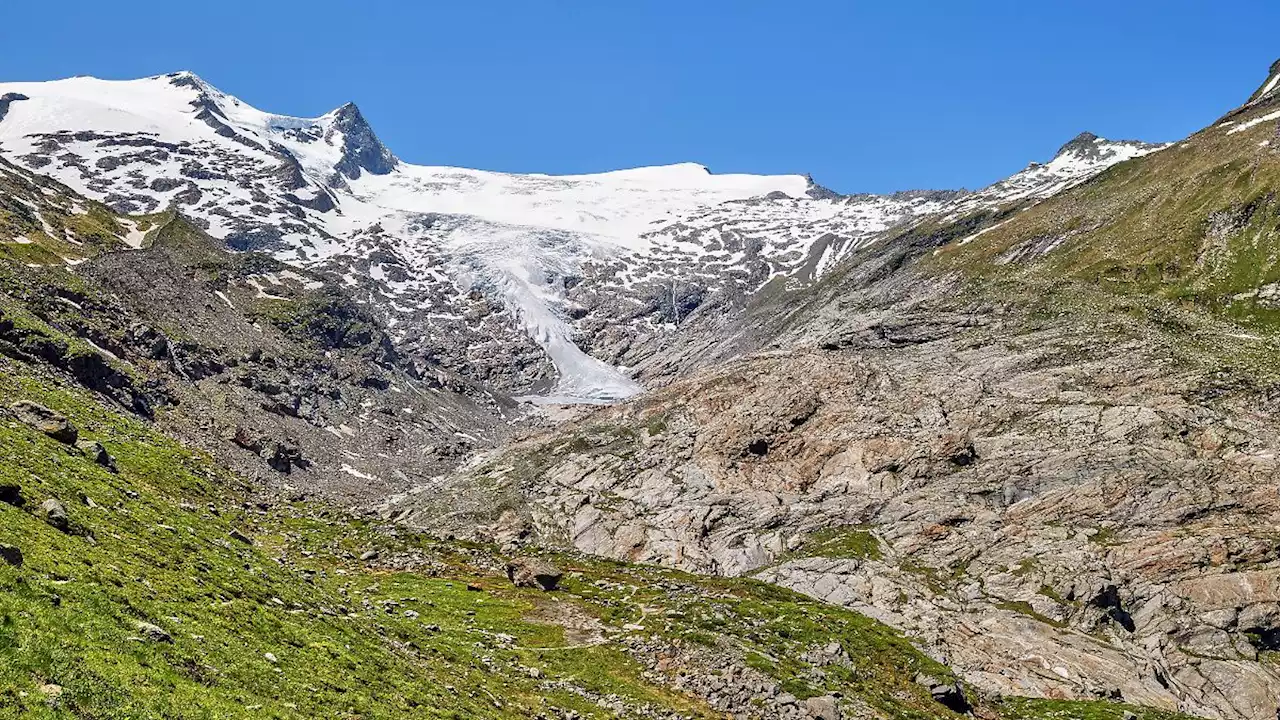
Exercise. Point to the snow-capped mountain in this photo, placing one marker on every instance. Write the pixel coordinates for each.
(496, 275)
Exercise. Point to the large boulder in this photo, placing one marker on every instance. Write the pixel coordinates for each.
(11, 494)
(824, 707)
(46, 421)
(949, 694)
(534, 572)
(55, 513)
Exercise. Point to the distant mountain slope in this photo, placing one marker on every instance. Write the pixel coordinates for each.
(530, 283)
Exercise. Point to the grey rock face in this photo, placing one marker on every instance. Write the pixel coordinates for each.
(1013, 499)
(7, 99)
(361, 148)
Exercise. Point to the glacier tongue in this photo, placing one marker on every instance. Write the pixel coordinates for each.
(525, 266)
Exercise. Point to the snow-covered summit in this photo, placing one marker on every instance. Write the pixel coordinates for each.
(326, 190)
(1081, 158)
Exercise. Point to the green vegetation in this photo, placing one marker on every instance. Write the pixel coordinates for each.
(852, 542)
(1023, 607)
(657, 424)
(157, 547)
(44, 223)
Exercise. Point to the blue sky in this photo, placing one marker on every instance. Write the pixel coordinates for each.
(865, 96)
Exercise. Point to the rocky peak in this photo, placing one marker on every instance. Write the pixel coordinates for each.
(8, 98)
(1091, 148)
(361, 148)
(932, 195)
(1082, 143)
(1270, 89)
(819, 192)
(186, 78)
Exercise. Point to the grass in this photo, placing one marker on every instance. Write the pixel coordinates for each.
(1187, 234)
(162, 552)
(847, 542)
(1023, 607)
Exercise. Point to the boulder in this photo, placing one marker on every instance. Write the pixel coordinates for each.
(534, 573)
(824, 707)
(46, 421)
(151, 632)
(11, 494)
(51, 690)
(11, 555)
(94, 450)
(282, 456)
(55, 513)
(947, 694)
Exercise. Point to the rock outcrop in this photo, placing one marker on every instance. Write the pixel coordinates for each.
(46, 421)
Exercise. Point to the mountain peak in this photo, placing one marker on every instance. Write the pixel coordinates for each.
(361, 148)
(1091, 148)
(186, 78)
(1270, 88)
(1085, 141)
(819, 192)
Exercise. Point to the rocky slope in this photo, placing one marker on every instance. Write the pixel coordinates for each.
(1040, 438)
(275, 370)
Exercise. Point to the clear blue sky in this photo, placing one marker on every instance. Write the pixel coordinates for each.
(866, 96)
